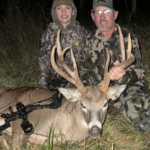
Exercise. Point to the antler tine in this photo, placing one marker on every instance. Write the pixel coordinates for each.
(57, 69)
(129, 46)
(105, 83)
(130, 56)
(59, 49)
(74, 74)
(121, 44)
(75, 80)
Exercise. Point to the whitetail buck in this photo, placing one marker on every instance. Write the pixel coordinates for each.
(83, 110)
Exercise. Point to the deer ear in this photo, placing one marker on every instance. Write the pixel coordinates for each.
(115, 91)
(70, 94)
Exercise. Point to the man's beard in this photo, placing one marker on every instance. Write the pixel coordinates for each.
(108, 28)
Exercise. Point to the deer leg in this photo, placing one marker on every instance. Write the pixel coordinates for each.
(3, 143)
(19, 139)
(5, 135)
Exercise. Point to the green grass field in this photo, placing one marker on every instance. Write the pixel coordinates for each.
(20, 36)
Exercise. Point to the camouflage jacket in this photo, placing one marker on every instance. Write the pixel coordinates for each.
(74, 37)
(95, 58)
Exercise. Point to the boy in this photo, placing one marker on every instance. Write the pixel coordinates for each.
(73, 35)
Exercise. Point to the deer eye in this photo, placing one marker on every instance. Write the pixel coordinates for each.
(83, 106)
(105, 105)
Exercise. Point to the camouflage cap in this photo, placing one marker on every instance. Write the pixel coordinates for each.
(63, 2)
(106, 3)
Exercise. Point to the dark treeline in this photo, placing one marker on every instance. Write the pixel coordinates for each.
(34, 6)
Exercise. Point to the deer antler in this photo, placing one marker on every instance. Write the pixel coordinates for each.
(124, 64)
(130, 56)
(121, 44)
(75, 80)
(103, 86)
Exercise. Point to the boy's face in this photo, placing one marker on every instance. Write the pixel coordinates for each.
(64, 14)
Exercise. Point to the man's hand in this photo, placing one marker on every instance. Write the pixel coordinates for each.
(116, 72)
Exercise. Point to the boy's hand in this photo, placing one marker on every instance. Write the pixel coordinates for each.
(116, 72)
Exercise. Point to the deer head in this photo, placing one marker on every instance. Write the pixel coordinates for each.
(93, 100)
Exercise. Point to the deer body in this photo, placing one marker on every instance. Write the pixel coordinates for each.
(74, 121)
(71, 120)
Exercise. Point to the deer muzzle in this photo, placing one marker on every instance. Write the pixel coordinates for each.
(94, 132)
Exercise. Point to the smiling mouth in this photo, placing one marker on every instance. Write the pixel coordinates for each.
(64, 17)
(103, 22)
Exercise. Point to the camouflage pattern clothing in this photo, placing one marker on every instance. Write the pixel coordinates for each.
(134, 102)
(74, 37)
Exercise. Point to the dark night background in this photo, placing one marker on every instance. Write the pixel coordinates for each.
(34, 6)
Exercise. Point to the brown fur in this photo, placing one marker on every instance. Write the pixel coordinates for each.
(69, 120)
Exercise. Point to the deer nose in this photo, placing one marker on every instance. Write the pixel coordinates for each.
(94, 132)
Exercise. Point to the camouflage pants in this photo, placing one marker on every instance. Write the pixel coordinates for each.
(134, 105)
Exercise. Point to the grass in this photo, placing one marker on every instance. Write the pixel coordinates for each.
(122, 134)
(19, 49)
(20, 36)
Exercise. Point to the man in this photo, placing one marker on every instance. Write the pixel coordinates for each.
(134, 102)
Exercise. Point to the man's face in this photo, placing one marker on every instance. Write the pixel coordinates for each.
(104, 18)
(64, 14)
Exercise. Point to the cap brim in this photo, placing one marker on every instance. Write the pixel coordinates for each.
(104, 6)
